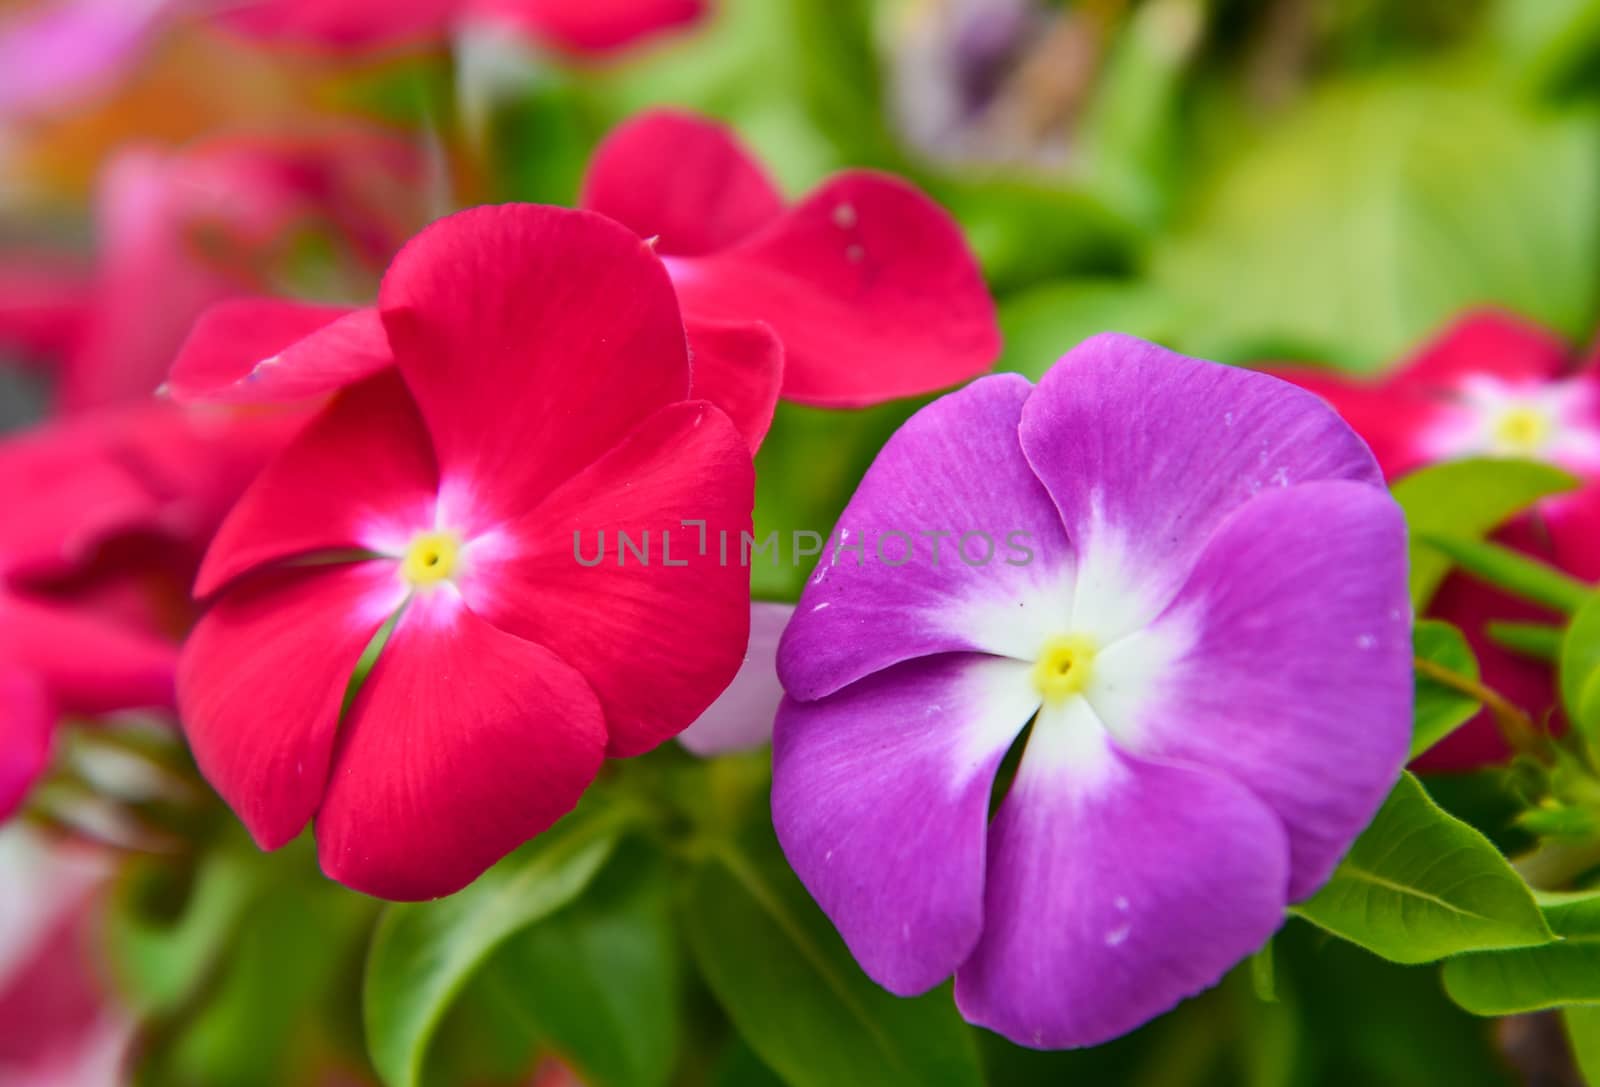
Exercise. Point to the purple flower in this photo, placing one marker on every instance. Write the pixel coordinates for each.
(1209, 633)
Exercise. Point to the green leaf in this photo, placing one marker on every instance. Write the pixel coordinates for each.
(793, 992)
(1044, 323)
(1440, 710)
(600, 980)
(1528, 979)
(424, 953)
(1421, 885)
(1583, 1031)
(1514, 572)
(1580, 669)
(1541, 641)
(1380, 209)
(1466, 499)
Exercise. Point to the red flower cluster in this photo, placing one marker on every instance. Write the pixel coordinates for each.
(1490, 386)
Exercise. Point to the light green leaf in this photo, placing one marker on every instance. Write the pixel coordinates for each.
(1583, 1031)
(1580, 669)
(424, 953)
(600, 980)
(1513, 571)
(1042, 324)
(786, 980)
(1532, 978)
(1466, 499)
(1541, 641)
(1440, 710)
(1421, 885)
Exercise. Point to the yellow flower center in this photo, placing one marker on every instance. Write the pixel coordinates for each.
(1065, 667)
(1522, 431)
(431, 558)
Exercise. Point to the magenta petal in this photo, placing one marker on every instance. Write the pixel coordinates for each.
(1111, 899)
(880, 796)
(85, 662)
(741, 717)
(868, 283)
(954, 468)
(1298, 685)
(716, 193)
(1146, 451)
(263, 350)
(738, 366)
(463, 743)
(27, 726)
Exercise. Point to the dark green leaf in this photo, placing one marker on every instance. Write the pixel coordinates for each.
(1421, 885)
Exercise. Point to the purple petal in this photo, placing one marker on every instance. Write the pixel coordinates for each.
(57, 54)
(955, 467)
(1117, 887)
(1145, 452)
(1297, 680)
(741, 717)
(880, 796)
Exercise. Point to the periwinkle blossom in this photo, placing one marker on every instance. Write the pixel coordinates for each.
(1212, 644)
(1490, 385)
(540, 389)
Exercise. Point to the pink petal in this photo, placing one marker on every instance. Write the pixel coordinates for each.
(870, 286)
(85, 662)
(44, 302)
(738, 366)
(262, 680)
(251, 350)
(27, 727)
(534, 339)
(671, 633)
(463, 743)
(716, 193)
(741, 717)
(1490, 343)
(55, 54)
(343, 24)
(360, 476)
(590, 26)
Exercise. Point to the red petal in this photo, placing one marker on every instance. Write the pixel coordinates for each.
(254, 350)
(1391, 419)
(534, 339)
(85, 662)
(262, 681)
(44, 301)
(464, 743)
(738, 366)
(27, 726)
(870, 286)
(1486, 342)
(343, 24)
(715, 194)
(360, 476)
(667, 638)
(1573, 524)
(591, 26)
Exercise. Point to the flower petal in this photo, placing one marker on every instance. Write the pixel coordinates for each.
(1109, 902)
(344, 24)
(253, 350)
(741, 717)
(563, 314)
(716, 193)
(1145, 452)
(1297, 683)
(673, 627)
(84, 662)
(868, 283)
(1394, 421)
(463, 743)
(1485, 343)
(27, 727)
(738, 366)
(954, 468)
(360, 476)
(593, 26)
(880, 796)
(262, 680)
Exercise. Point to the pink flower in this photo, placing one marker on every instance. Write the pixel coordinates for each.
(1489, 386)
(863, 292)
(539, 392)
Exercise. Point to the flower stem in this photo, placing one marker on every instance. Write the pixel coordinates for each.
(1514, 724)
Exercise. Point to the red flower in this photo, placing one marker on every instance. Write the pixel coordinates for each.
(576, 26)
(540, 391)
(863, 292)
(1490, 386)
